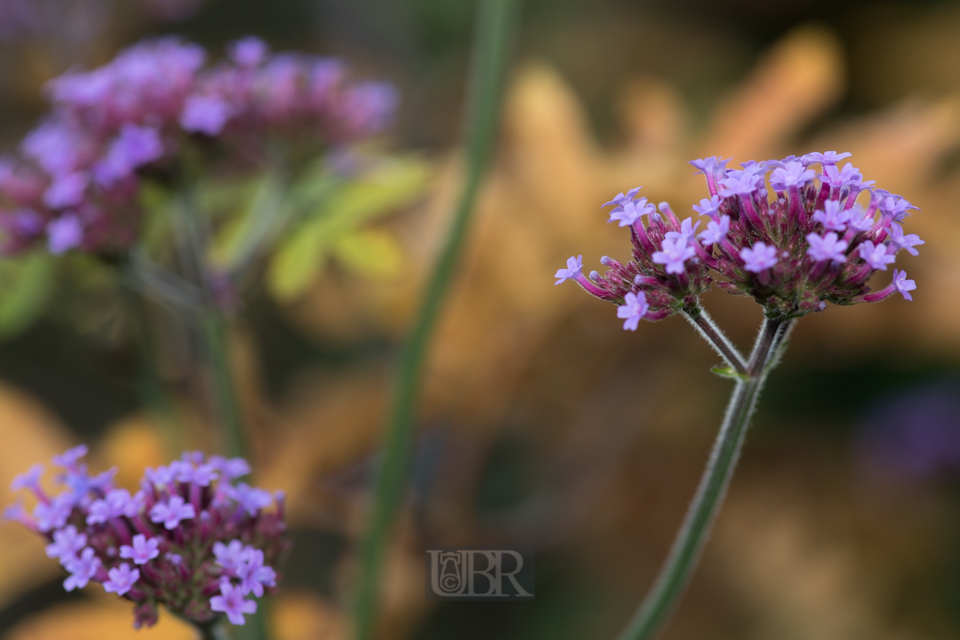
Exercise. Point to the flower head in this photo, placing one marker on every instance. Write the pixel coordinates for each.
(807, 231)
(157, 109)
(194, 535)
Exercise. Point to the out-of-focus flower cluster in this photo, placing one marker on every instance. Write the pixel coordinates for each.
(811, 243)
(192, 538)
(85, 19)
(157, 111)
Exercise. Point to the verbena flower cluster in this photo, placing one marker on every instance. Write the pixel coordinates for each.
(780, 231)
(193, 538)
(157, 110)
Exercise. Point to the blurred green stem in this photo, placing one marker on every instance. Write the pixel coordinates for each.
(495, 22)
(215, 328)
(213, 632)
(688, 545)
(213, 325)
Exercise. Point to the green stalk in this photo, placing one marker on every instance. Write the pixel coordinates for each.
(688, 545)
(213, 631)
(213, 326)
(215, 330)
(212, 323)
(495, 20)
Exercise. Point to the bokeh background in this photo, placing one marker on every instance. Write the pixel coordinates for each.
(542, 422)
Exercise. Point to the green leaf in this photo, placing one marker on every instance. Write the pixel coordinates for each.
(296, 265)
(335, 228)
(241, 236)
(374, 253)
(388, 185)
(730, 373)
(26, 286)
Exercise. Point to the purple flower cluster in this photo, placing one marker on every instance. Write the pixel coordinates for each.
(193, 538)
(156, 110)
(807, 239)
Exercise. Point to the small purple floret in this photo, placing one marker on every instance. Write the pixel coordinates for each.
(900, 241)
(676, 250)
(121, 579)
(833, 216)
(573, 270)
(827, 247)
(28, 480)
(716, 231)
(82, 569)
(903, 285)
(66, 543)
(634, 307)
(143, 549)
(64, 233)
(231, 602)
(759, 257)
(205, 114)
(709, 207)
(876, 255)
(172, 512)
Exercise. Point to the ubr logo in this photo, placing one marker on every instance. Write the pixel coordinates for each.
(475, 573)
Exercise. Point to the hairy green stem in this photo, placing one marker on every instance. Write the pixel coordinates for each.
(715, 337)
(491, 44)
(688, 545)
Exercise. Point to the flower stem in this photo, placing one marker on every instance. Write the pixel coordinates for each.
(492, 36)
(715, 337)
(688, 545)
(215, 328)
(213, 631)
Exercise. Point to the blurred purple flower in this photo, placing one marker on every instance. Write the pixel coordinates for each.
(181, 528)
(914, 434)
(138, 116)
